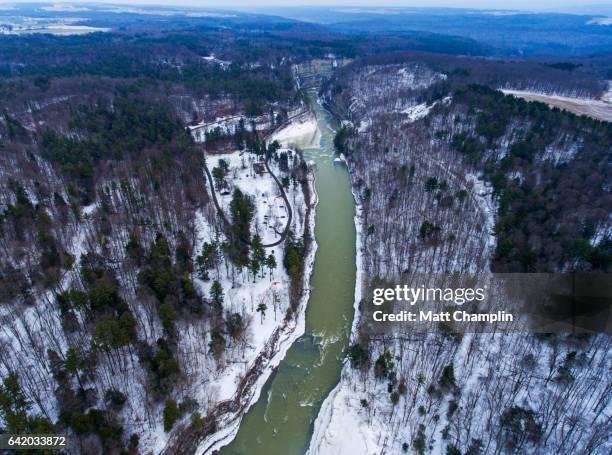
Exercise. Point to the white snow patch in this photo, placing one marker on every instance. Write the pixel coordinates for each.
(607, 96)
(413, 79)
(483, 195)
(364, 125)
(600, 21)
(339, 415)
(417, 112)
(303, 133)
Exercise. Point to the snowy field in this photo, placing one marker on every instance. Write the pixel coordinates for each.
(598, 109)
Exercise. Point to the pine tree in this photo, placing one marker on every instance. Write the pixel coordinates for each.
(271, 263)
(171, 414)
(167, 314)
(258, 250)
(216, 294)
(14, 407)
(208, 259)
(13, 404)
(261, 309)
(254, 265)
(241, 210)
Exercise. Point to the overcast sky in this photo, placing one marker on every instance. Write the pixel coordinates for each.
(548, 5)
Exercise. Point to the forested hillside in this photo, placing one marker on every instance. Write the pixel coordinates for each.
(130, 306)
(453, 176)
(157, 241)
(539, 163)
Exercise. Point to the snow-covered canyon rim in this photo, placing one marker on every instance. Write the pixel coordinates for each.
(600, 109)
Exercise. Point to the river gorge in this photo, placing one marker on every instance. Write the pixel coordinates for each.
(282, 419)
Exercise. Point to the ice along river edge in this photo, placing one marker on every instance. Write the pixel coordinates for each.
(230, 424)
(282, 420)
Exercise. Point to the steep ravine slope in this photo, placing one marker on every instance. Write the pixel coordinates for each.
(128, 308)
(453, 176)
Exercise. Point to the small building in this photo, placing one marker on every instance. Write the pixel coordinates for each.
(259, 168)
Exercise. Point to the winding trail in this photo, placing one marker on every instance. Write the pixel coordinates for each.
(228, 223)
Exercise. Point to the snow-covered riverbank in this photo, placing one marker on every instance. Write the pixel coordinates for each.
(303, 132)
(433, 392)
(296, 133)
(337, 412)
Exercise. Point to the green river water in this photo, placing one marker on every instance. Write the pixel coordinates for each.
(281, 422)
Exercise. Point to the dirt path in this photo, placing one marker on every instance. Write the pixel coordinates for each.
(227, 222)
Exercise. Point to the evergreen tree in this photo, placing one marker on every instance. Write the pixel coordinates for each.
(216, 294)
(258, 250)
(234, 325)
(261, 309)
(14, 407)
(219, 173)
(217, 344)
(254, 265)
(134, 249)
(384, 365)
(271, 263)
(207, 259)
(241, 210)
(171, 414)
(447, 379)
(167, 315)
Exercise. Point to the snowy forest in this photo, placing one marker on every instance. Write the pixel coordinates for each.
(131, 305)
(158, 199)
(451, 175)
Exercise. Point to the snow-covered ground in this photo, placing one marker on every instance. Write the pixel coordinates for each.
(26, 334)
(482, 193)
(416, 112)
(412, 77)
(228, 125)
(303, 133)
(270, 211)
(495, 375)
(340, 413)
(270, 217)
(421, 110)
(358, 417)
(607, 95)
(599, 109)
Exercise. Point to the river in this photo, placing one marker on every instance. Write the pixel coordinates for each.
(281, 421)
